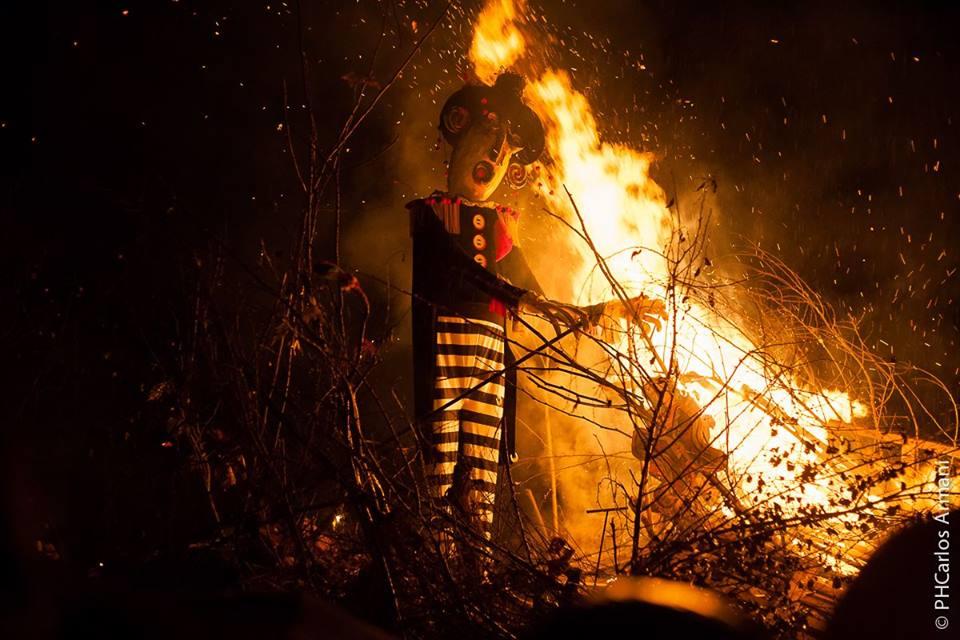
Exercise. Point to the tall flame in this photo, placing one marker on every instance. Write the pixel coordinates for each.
(621, 204)
(623, 209)
(497, 42)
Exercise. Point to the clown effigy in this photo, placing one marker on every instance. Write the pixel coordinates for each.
(469, 274)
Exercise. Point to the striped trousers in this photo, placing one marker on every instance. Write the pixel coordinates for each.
(467, 433)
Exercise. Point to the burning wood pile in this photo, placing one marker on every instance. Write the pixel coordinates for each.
(768, 460)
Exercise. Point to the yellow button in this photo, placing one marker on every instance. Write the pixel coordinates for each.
(478, 222)
(480, 259)
(479, 242)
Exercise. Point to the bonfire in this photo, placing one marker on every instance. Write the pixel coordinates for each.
(747, 439)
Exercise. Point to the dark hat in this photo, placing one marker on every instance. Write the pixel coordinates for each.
(504, 99)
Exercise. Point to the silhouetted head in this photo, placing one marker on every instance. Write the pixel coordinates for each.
(648, 608)
(895, 595)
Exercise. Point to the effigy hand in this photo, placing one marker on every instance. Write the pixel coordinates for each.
(556, 313)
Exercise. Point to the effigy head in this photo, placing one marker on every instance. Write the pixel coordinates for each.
(493, 134)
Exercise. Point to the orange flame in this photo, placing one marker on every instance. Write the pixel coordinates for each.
(620, 203)
(623, 210)
(497, 42)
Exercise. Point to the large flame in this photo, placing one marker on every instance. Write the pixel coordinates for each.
(762, 416)
(622, 206)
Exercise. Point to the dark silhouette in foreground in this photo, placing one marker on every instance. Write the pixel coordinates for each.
(894, 595)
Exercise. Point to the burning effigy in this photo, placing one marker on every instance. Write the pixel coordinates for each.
(468, 275)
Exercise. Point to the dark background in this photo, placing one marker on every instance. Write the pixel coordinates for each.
(131, 143)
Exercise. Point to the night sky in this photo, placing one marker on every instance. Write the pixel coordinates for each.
(135, 138)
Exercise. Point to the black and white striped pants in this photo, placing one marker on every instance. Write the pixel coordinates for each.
(467, 433)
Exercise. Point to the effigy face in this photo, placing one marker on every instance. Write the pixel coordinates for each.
(481, 157)
(493, 135)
